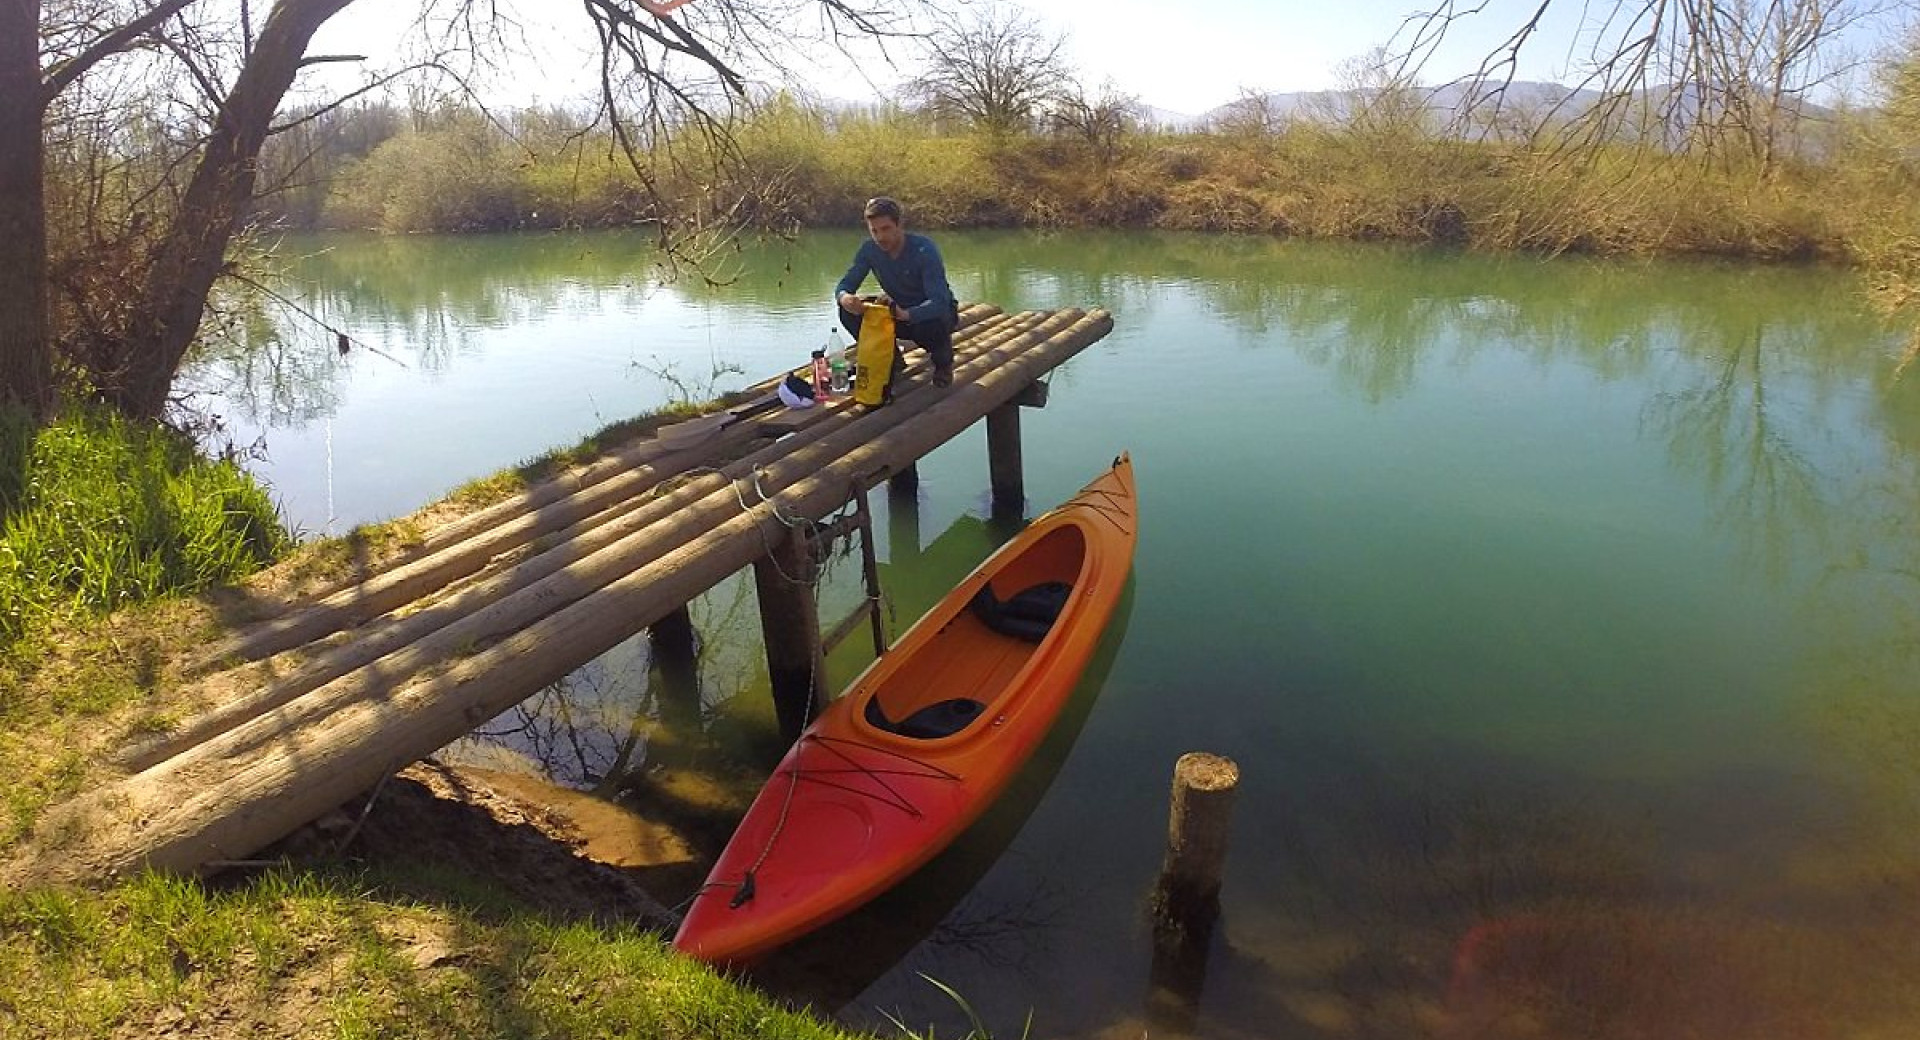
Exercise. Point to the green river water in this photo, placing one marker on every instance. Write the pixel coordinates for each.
(1563, 616)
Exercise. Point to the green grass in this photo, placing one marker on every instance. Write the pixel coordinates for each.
(100, 513)
(335, 955)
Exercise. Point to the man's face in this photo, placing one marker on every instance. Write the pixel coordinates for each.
(887, 233)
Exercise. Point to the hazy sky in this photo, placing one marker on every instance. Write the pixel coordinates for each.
(1192, 55)
(1186, 56)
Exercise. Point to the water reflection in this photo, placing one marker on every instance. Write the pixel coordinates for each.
(1726, 429)
(647, 705)
(1375, 314)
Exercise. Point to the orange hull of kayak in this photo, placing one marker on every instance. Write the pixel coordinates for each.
(872, 790)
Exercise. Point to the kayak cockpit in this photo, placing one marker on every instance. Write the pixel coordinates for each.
(970, 664)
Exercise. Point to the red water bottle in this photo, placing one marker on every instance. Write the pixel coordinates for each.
(822, 385)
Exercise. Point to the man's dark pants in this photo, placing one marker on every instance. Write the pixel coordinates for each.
(935, 336)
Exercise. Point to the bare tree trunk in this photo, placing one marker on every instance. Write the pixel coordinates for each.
(194, 251)
(26, 355)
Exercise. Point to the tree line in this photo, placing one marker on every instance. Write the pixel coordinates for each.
(143, 144)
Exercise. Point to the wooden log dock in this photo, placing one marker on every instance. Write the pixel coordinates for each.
(320, 703)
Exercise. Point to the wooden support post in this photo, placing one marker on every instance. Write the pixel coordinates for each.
(674, 668)
(1186, 901)
(671, 638)
(1003, 461)
(903, 518)
(860, 522)
(905, 482)
(790, 623)
(870, 574)
(1035, 395)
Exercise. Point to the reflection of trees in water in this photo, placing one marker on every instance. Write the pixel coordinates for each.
(632, 709)
(278, 367)
(1725, 429)
(419, 300)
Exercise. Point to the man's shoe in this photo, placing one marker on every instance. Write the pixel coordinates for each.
(943, 377)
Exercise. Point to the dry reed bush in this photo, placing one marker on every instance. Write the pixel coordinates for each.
(1210, 205)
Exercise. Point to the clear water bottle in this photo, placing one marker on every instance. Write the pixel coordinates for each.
(837, 375)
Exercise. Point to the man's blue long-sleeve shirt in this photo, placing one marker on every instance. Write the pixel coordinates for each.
(916, 281)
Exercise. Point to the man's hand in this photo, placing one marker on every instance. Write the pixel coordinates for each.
(900, 313)
(850, 303)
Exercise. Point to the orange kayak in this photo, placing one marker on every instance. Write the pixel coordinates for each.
(926, 738)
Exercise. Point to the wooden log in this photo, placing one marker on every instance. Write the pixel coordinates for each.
(498, 529)
(1188, 895)
(216, 802)
(783, 580)
(1004, 466)
(1186, 899)
(395, 588)
(485, 609)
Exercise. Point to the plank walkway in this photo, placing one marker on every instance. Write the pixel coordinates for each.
(320, 703)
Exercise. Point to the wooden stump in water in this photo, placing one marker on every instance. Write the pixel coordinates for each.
(674, 674)
(1186, 901)
(1203, 789)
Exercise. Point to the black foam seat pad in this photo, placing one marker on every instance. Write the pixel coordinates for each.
(1028, 614)
(939, 719)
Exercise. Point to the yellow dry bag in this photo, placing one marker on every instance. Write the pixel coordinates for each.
(873, 355)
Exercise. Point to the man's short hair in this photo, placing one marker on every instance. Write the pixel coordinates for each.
(882, 206)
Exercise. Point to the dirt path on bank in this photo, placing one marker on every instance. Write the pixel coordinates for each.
(566, 854)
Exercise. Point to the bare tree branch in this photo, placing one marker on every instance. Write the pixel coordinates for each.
(63, 74)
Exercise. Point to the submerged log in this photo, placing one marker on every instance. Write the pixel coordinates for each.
(237, 793)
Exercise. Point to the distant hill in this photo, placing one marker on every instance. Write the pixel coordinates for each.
(1443, 104)
(1523, 100)
(1167, 119)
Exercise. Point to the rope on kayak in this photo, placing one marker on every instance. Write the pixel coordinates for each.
(748, 885)
(745, 890)
(894, 798)
(1111, 509)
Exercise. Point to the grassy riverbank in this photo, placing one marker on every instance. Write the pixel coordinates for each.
(347, 956)
(799, 166)
(1847, 194)
(100, 515)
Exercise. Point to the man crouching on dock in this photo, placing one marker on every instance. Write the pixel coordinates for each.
(913, 278)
